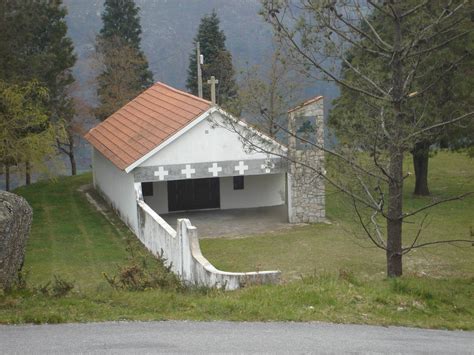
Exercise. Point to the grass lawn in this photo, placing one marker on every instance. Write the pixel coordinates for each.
(343, 244)
(330, 272)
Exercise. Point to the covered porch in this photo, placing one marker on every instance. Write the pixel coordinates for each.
(187, 190)
(234, 222)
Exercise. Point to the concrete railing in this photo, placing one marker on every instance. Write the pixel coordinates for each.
(198, 270)
(158, 237)
(181, 249)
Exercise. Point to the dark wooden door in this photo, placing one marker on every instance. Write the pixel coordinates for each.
(193, 194)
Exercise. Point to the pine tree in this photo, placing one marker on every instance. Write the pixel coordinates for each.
(125, 71)
(217, 62)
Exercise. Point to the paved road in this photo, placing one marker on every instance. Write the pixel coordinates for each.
(221, 337)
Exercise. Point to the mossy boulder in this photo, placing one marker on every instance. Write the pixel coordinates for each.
(16, 216)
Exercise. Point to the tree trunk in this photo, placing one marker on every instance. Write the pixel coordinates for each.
(395, 183)
(72, 159)
(27, 173)
(394, 222)
(7, 177)
(71, 155)
(420, 154)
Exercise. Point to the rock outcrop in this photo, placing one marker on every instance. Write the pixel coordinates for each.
(16, 216)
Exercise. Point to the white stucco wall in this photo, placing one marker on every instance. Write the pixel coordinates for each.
(159, 200)
(117, 187)
(259, 191)
(183, 255)
(203, 143)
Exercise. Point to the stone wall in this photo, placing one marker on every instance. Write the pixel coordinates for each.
(307, 191)
(306, 188)
(15, 221)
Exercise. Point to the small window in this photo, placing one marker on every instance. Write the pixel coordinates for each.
(238, 182)
(147, 188)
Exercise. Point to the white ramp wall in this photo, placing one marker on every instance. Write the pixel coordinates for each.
(181, 249)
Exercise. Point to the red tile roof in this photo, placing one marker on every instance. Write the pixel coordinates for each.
(145, 122)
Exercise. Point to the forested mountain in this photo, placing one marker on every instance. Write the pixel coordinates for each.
(169, 27)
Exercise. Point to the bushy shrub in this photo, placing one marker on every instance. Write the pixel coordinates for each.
(138, 275)
(59, 287)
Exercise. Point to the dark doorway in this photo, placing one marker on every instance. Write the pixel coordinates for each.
(193, 194)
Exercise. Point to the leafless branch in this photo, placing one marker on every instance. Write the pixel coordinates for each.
(362, 223)
(329, 151)
(442, 242)
(406, 250)
(455, 198)
(298, 48)
(438, 125)
(414, 9)
(438, 46)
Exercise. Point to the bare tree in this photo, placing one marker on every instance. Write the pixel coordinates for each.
(268, 90)
(74, 126)
(319, 35)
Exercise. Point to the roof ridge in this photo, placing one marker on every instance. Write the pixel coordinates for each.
(183, 93)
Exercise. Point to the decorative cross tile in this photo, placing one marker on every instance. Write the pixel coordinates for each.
(241, 168)
(161, 173)
(215, 169)
(188, 171)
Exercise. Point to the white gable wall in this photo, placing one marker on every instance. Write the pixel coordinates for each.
(203, 143)
(117, 187)
(207, 143)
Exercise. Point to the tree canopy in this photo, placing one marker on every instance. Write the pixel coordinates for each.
(121, 19)
(26, 132)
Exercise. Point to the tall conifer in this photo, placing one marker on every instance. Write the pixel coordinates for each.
(125, 71)
(217, 62)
